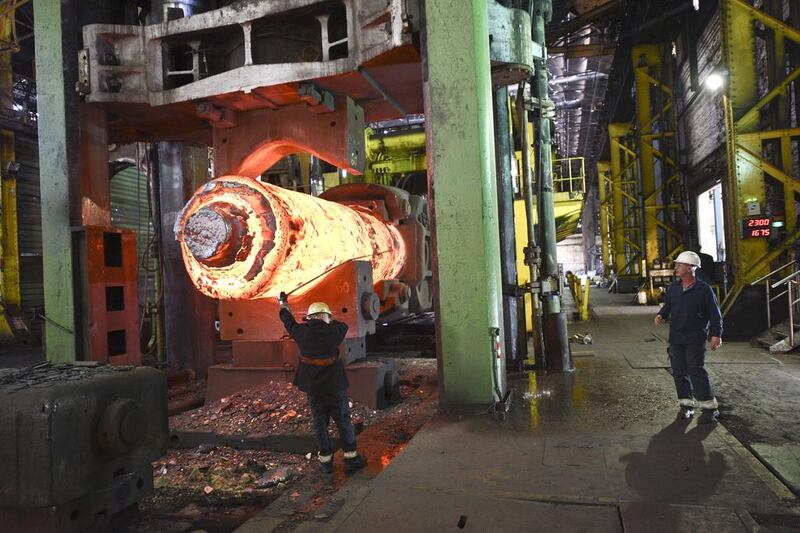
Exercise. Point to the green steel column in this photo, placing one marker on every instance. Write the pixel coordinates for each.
(558, 355)
(460, 151)
(57, 141)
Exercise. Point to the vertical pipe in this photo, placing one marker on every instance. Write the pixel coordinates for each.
(158, 283)
(558, 355)
(505, 205)
(533, 251)
(769, 317)
(790, 294)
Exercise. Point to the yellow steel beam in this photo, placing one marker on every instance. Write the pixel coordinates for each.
(621, 190)
(9, 240)
(769, 168)
(8, 7)
(751, 116)
(789, 205)
(606, 220)
(743, 181)
(755, 270)
(744, 141)
(654, 115)
(658, 134)
(660, 188)
(644, 74)
(772, 134)
(616, 132)
(767, 20)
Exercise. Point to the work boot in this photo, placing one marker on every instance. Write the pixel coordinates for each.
(353, 461)
(326, 462)
(708, 416)
(686, 412)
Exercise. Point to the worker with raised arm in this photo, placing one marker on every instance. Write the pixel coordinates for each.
(695, 322)
(320, 374)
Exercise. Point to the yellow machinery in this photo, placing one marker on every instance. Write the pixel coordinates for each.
(639, 188)
(397, 155)
(393, 157)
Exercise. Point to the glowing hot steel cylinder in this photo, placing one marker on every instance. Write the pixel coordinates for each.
(244, 239)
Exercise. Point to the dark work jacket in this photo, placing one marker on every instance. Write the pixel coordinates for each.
(317, 340)
(693, 314)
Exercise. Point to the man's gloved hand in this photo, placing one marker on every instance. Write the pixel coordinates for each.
(283, 299)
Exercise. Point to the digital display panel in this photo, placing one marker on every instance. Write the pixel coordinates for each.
(756, 227)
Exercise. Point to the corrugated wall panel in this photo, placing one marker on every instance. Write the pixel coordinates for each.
(129, 210)
(29, 207)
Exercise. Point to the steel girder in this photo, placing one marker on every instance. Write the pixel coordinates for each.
(640, 188)
(758, 135)
(625, 196)
(9, 240)
(657, 153)
(606, 215)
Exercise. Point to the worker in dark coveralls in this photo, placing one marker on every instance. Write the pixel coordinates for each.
(694, 320)
(321, 376)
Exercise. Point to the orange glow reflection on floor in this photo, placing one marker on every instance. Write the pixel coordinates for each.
(288, 239)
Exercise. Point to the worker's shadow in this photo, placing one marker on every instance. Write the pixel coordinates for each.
(674, 470)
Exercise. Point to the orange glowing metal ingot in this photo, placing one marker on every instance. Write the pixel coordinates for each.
(244, 239)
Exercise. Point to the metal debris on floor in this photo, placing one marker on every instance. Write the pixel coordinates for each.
(272, 408)
(217, 488)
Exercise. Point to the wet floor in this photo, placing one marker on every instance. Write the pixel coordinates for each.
(598, 449)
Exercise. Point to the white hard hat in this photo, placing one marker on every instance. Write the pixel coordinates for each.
(318, 307)
(688, 258)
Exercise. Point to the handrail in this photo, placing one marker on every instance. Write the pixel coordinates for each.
(762, 278)
(791, 278)
(785, 280)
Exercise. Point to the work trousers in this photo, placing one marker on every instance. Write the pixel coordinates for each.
(689, 372)
(337, 407)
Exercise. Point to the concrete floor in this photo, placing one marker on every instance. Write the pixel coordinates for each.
(599, 450)
(595, 450)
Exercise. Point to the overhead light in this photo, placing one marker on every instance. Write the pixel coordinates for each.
(714, 81)
(696, 4)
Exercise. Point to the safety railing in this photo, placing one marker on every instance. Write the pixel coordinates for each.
(569, 175)
(786, 285)
(580, 293)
